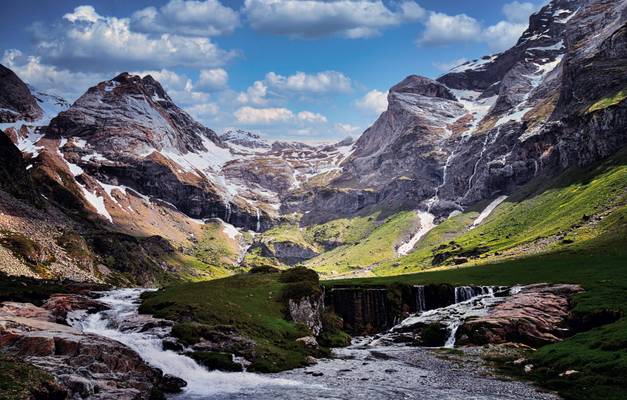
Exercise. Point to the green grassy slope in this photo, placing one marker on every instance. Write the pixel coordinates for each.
(380, 245)
(544, 216)
(251, 305)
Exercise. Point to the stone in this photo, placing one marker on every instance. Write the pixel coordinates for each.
(172, 384)
(307, 311)
(309, 341)
(535, 316)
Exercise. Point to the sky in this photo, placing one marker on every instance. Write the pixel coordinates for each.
(307, 70)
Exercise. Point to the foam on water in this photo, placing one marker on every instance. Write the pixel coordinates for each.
(124, 305)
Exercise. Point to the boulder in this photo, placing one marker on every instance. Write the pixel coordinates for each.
(535, 316)
(307, 311)
(59, 305)
(83, 364)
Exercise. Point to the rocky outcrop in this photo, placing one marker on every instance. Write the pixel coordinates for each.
(87, 366)
(307, 311)
(535, 316)
(16, 101)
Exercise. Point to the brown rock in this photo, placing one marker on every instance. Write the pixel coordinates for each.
(535, 316)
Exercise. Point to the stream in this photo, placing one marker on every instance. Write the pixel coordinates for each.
(370, 368)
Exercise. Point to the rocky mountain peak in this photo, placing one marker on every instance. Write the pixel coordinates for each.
(420, 85)
(133, 116)
(245, 139)
(541, 43)
(16, 101)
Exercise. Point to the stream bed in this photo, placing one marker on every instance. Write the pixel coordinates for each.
(368, 369)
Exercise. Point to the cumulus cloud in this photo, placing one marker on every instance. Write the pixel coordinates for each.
(276, 115)
(518, 12)
(374, 102)
(317, 18)
(347, 129)
(444, 29)
(255, 94)
(252, 116)
(321, 82)
(182, 17)
(300, 84)
(63, 82)
(204, 111)
(503, 35)
(213, 79)
(89, 41)
(308, 116)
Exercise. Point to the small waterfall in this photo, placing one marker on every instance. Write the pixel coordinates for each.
(463, 293)
(227, 211)
(117, 324)
(421, 304)
(469, 301)
(258, 220)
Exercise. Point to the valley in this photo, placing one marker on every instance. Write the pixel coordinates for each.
(470, 243)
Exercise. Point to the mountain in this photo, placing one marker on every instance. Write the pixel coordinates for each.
(16, 100)
(490, 125)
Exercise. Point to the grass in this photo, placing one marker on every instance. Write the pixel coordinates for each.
(378, 246)
(560, 212)
(341, 231)
(609, 101)
(600, 266)
(249, 305)
(20, 380)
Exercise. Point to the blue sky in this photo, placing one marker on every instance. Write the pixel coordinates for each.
(290, 69)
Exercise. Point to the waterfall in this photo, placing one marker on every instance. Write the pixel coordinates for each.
(463, 293)
(258, 220)
(227, 211)
(420, 298)
(117, 324)
(469, 302)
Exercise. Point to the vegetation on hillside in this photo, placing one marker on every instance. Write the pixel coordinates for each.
(251, 306)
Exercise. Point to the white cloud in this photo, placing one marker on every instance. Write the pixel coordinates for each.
(321, 82)
(448, 65)
(503, 35)
(256, 94)
(194, 18)
(444, 29)
(308, 116)
(518, 12)
(49, 78)
(213, 79)
(251, 116)
(317, 18)
(204, 111)
(374, 102)
(87, 40)
(300, 83)
(84, 14)
(347, 129)
(278, 115)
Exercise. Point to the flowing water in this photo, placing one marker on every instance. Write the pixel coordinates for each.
(117, 324)
(365, 370)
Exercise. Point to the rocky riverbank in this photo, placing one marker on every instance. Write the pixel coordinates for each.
(84, 365)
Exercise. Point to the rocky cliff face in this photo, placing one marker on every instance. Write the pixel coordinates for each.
(16, 101)
(494, 123)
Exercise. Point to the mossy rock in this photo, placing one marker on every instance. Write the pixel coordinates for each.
(434, 335)
(214, 360)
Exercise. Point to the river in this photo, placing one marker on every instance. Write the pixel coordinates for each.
(368, 369)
